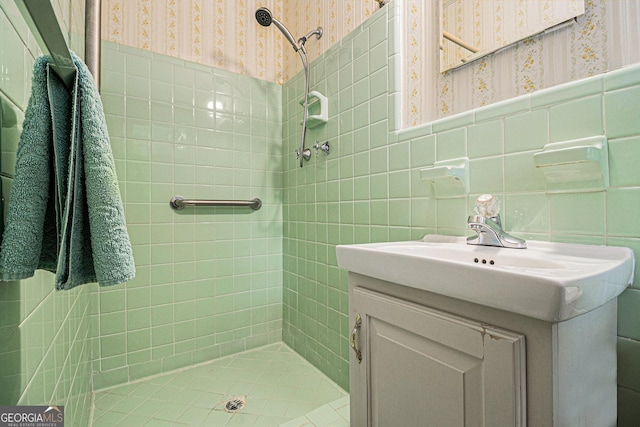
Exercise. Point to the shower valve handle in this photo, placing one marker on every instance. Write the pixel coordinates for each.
(306, 154)
(326, 149)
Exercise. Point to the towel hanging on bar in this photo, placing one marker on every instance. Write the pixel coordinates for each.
(65, 213)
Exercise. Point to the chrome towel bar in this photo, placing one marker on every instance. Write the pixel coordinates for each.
(179, 202)
(43, 24)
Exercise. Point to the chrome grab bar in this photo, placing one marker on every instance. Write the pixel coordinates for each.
(179, 202)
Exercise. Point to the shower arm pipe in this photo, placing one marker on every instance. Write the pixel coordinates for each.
(92, 38)
(317, 32)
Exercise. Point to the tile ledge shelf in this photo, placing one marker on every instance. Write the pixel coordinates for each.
(575, 166)
(448, 178)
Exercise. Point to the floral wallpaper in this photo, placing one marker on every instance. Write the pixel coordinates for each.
(603, 39)
(491, 24)
(224, 34)
(337, 18)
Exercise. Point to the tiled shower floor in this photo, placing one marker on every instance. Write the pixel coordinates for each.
(279, 387)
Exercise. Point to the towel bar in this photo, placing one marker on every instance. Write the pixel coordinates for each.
(179, 202)
(92, 40)
(42, 22)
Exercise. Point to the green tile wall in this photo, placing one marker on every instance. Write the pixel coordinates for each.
(357, 193)
(209, 280)
(45, 358)
(368, 189)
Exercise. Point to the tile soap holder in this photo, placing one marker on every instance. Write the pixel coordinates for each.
(576, 165)
(317, 109)
(449, 178)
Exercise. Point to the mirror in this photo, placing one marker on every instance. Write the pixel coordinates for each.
(472, 29)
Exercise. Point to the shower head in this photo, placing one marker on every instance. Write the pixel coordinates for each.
(265, 18)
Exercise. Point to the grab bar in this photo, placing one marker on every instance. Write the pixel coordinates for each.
(42, 22)
(179, 202)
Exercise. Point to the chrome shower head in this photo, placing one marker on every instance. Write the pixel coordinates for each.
(265, 18)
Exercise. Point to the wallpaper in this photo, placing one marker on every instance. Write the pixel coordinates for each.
(224, 34)
(601, 40)
(490, 24)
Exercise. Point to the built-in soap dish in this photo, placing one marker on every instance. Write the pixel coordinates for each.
(576, 165)
(449, 178)
(317, 109)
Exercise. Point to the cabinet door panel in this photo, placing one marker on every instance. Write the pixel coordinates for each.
(415, 381)
(426, 367)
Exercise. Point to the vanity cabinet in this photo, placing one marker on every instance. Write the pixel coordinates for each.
(428, 367)
(430, 360)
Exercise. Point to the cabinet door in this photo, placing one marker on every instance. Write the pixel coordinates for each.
(423, 367)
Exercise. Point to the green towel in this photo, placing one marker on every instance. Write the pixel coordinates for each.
(65, 214)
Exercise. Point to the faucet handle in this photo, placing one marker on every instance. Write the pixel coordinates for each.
(326, 149)
(487, 206)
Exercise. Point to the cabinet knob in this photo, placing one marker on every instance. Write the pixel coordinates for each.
(354, 340)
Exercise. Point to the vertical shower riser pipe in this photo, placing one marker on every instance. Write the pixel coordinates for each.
(92, 46)
(305, 63)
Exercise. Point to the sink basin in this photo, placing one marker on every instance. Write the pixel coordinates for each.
(546, 281)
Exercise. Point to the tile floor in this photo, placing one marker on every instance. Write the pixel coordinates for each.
(279, 386)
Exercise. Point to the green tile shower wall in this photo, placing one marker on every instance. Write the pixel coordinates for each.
(355, 194)
(209, 281)
(45, 358)
(369, 189)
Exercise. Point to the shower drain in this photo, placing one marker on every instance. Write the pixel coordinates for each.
(235, 403)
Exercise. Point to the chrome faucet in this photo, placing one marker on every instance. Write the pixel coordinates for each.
(488, 225)
(490, 233)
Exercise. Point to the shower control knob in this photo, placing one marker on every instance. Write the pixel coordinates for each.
(306, 154)
(326, 149)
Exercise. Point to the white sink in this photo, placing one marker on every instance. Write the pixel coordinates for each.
(547, 281)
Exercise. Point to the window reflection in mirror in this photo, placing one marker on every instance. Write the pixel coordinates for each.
(474, 28)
